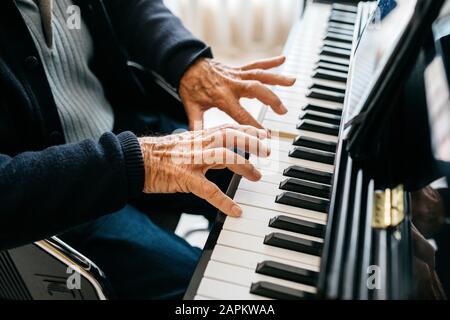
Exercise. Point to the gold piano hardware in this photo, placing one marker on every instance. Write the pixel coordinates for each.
(389, 210)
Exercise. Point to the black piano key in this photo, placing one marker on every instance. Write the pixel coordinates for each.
(342, 19)
(298, 226)
(319, 127)
(337, 44)
(286, 272)
(333, 60)
(344, 8)
(332, 36)
(313, 155)
(308, 174)
(330, 75)
(334, 52)
(284, 241)
(303, 201)
(306, 187)
(326, 95)
(317, 108)
(332, 67)
(313, 143)
(341, 26)
(275, 291)
(321, 117)
(341, 31)
(329, 87)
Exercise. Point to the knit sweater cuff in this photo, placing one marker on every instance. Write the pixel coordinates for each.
(181, 62)
(134, 163)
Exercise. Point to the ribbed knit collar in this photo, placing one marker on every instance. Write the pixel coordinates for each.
(46, 8)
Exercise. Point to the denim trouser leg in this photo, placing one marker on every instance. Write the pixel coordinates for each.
(140, 260)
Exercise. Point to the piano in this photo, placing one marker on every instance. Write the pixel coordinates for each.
(319, 225)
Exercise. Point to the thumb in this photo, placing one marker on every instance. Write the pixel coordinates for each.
(195, 116)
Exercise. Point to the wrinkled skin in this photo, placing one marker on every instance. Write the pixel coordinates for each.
(209, 83)
(179, 162)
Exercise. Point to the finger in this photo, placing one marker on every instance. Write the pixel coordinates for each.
(231, 139)
(239, 114)
(265, 64)
(208, 191)
(256, 132)
(259, 133)
(220, 157)
(247, 171)
(195, 116)
(267, 78)
(256, 90)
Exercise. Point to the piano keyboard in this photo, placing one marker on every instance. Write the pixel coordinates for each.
(274, 250)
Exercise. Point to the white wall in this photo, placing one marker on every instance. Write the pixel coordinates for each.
(239, 29)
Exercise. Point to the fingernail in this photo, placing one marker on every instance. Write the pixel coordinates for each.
(237, 211)
(257, 174)
(269, 151)
(262, 134)
(283, 109)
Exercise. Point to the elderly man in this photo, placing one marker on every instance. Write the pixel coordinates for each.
(69, 163)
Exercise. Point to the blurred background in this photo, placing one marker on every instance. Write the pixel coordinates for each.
(239, 30)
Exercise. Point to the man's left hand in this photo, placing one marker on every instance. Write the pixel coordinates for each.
(208, 83)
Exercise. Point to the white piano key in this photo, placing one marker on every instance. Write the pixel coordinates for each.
(272, 177)
(199, 298)
(260, 229)
(264, 215)
(269, 189)
(281, 144)
(255, 244)
(225, 291)
(268, 202)
(289, 118)
(340, 60)
(289, 129)
(279, 160)
(330, 83)
(265, 188)
(245, 277)
(250, 260)
(292, 117)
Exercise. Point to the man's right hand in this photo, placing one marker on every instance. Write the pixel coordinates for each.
(178, 163)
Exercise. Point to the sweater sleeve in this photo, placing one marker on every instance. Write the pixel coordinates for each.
(48, 192)
(155, 37)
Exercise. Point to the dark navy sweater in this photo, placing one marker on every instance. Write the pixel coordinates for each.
(48, 186)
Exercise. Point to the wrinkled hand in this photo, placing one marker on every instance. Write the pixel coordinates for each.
(428, 285)
(428, 211)
(209, 83)
(178, 163)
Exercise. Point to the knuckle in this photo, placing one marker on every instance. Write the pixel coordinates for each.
(259, 72)
(214, 192)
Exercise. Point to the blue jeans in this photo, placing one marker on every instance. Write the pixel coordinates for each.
(140, 260)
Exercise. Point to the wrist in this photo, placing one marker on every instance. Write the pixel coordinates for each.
(184, 61)
(134, 163)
